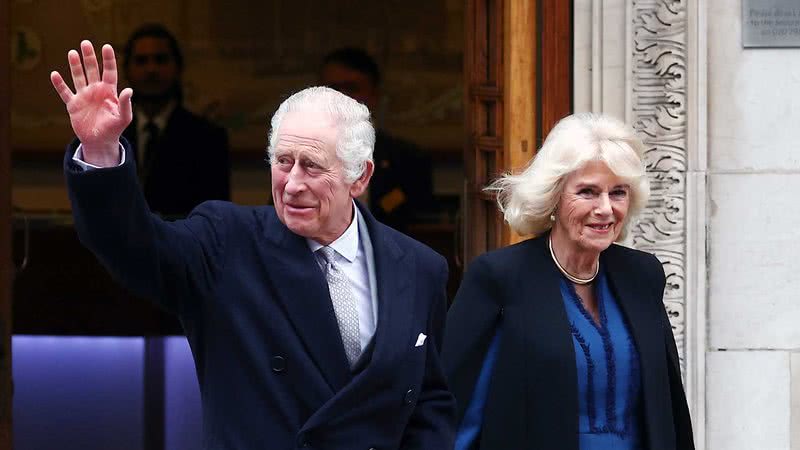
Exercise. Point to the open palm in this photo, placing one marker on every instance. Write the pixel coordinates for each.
(98, 116)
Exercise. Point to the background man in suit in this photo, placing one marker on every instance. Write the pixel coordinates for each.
(402, 186)
(182, 158)
(312, 325)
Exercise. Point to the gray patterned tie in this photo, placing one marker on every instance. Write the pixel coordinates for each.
(344, 304)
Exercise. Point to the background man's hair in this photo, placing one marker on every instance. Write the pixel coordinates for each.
(356, 59)
(152, 30)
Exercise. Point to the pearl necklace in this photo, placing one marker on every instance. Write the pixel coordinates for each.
(569, 276)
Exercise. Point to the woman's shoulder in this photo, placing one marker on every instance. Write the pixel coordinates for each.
(635, 259)
(623, 251)
(503, 258)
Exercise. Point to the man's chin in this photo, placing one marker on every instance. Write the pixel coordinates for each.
(300, 228)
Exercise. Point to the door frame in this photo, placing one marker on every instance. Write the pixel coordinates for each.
(518, 61)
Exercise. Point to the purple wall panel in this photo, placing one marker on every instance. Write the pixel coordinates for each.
(81, 393)
(183, 429)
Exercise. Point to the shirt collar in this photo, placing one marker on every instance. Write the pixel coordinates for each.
(346, 244)
(160, 119)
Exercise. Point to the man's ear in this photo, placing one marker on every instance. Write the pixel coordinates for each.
(360, 185)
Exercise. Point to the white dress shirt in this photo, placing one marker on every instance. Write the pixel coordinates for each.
(351, 257)
(77, 158)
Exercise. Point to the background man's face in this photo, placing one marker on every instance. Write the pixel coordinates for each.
(152, 70)
(351, 83)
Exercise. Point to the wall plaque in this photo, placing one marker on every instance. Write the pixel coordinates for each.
(770, 23)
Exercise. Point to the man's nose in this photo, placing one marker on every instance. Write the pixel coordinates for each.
(294, 180)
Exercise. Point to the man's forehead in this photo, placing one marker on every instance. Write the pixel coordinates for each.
(151, 44)
(308, 122)
(288, 141)
(310, 129)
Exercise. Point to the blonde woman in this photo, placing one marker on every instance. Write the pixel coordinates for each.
(562, 341)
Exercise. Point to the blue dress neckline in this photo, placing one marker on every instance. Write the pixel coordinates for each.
(607, 363)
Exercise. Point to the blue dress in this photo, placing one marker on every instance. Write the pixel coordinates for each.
(609, 379)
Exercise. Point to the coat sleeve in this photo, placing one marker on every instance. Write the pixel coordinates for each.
(471, 325)
(432, 424)
(166, 262)
(680, 409)
(470, 427)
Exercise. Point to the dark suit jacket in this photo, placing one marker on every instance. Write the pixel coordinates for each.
(255, 307)
(532, 400)
(401, 189)
(191, 164)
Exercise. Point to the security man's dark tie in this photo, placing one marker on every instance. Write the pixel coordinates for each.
(148, 150)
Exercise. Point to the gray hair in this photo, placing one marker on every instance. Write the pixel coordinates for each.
(356, 136)
(527, 199)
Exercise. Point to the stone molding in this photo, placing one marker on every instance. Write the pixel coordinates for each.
(659, 115)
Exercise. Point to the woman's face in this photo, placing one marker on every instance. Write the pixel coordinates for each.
(592, 208)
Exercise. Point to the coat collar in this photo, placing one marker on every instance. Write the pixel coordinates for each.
(394, 268)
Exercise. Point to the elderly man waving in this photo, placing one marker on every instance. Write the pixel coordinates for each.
(311, 324)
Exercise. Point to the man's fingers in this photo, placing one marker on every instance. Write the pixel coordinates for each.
(109, 66)
(61, 87)
(90, 62)
(125, 108)
(76, 70)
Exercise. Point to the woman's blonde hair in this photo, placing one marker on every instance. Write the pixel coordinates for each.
(527, 199)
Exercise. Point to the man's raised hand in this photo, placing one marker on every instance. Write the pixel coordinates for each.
(98, 116)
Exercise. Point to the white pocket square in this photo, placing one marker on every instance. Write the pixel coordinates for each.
(420, 340)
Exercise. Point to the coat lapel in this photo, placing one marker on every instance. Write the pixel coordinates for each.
(550, 355)
(633, 298)
(300, 286)
(394, 268)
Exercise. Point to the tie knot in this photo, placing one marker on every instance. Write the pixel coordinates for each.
(327, 254)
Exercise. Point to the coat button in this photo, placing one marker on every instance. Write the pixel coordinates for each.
(409, 397)
(278, 364)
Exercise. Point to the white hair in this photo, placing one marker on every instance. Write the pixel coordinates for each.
(356, 136)
(527, 199)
